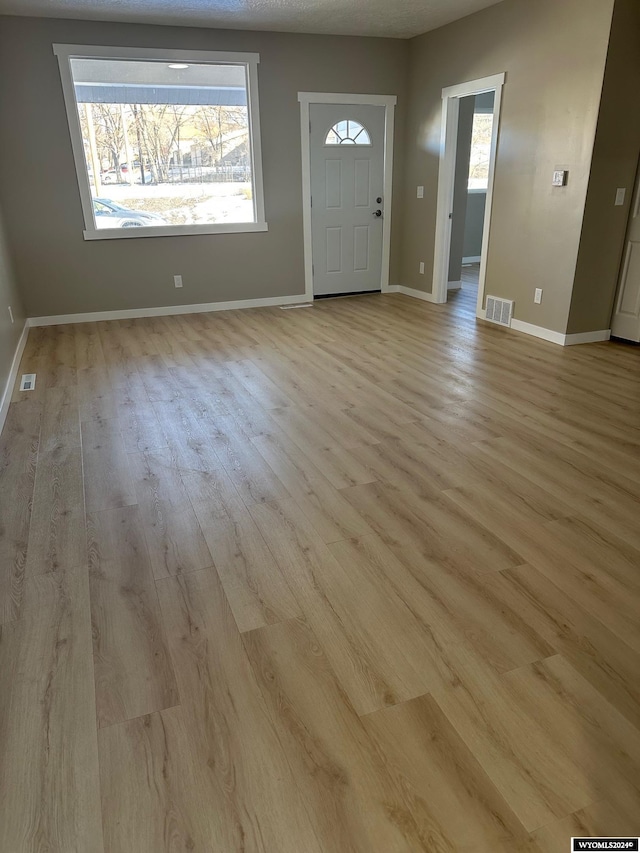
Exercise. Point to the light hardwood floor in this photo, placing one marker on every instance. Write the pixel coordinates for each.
(357, 578)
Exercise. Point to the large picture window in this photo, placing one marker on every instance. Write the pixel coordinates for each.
(165, 142)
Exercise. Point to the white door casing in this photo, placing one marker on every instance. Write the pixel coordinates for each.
(344, 240)
(448, 143)
(625, 322)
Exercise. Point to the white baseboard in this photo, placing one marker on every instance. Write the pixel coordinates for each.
(587, 337)
(203, 307)
(454, 285)
(558, 337)
(164, 311)
(519, 325)
(473, 259)
(410, 291)
(538, 332)
(13, 373)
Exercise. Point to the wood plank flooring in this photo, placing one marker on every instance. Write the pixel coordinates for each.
(357, 578)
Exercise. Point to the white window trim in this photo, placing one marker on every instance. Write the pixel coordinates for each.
(355, 144)
(66, 52)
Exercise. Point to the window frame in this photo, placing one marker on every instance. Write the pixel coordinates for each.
(66, 52)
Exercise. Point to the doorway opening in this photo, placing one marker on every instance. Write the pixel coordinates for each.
(470, 123)
(471, 179)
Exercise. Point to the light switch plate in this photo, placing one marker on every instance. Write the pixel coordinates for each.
(621, 193)
(420, 192)
(560, 178)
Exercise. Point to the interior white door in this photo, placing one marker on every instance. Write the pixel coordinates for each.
(347, 203)
(626, 316)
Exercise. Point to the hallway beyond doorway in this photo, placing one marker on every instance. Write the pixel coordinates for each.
(463, 300)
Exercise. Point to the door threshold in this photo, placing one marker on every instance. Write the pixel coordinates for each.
(618, 340)
(348, 293)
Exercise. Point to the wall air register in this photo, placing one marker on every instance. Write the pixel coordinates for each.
(28, 382)
(499, 311)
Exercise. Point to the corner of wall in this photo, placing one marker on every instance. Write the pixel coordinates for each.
(536, 229)
(13, 333)
(614, 164)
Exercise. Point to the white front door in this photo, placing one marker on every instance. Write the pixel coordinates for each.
(347, 202)
(626, 315)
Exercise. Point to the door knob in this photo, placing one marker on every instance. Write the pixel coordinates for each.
(377, 213)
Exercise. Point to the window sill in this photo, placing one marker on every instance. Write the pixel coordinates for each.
(174, 231)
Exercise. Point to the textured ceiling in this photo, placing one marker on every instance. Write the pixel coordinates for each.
(401, 19)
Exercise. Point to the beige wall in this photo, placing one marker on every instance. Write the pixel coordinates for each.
(9, 332)
(554, 54)
(61, 273)
(615, 160)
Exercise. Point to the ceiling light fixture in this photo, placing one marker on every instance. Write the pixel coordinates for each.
(178, 66)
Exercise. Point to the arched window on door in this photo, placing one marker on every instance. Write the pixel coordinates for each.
(348, 132)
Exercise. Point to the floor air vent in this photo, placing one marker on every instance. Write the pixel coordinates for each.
(28, 382)
(499, 310)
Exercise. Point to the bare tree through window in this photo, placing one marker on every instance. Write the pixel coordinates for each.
(168, 144)
(480, 150)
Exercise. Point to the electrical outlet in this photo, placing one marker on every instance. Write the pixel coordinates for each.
(10, 313)
(620, 196)
(420, 192)
(421, 267)
(177, 280)
(538, 296)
